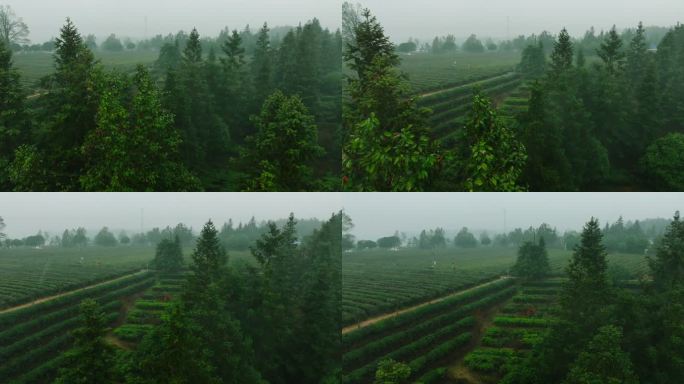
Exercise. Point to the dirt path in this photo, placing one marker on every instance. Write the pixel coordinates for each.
(374, 320)
(462, 85)
(48, 298)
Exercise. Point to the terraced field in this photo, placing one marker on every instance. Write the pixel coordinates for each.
(27, 274)
(32, 339)
(520, 324)
(377, 282)
(426, 339)
(146, 310)
(427, 73)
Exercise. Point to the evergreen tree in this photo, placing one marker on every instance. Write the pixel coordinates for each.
(370, 46)
(69, 108)
(533, 260)
(603, 361)
(14, 122)
(235, 89)
(561, 57)
(637, 56)
(172, 353)
(280, 156)
(135, 147)
(262, 66)
(668, 263)
(91, 360)
(611, 52)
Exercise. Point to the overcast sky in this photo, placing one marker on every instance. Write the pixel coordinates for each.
(127, 17)
(427, 18)
(377, 215)
(26, 213)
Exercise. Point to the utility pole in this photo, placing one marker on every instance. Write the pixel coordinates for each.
(142, 222)
(504, 217)
(508, 28)
(145, 27)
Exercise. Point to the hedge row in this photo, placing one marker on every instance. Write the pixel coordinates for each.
(440, 352)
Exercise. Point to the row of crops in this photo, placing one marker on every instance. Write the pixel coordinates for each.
(29, 274)
(424, 338)
(33, 339)
(147, 310)
(376, 282)
(428, 72)
(521, 324)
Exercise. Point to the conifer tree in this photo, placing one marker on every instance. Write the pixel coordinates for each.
(262, 66)
(611, 52)
(91, 360)
(561, 57)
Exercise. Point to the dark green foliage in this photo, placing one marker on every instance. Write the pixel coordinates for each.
(105, 238)
(280, 156)
(473, 45)
(663, 161)
(465, 239)
(533, 62)
(169, 255)
(134, 146)
(389, 242)
(533, 261)
(91, 358)
(561, 57)
(668, 264)
(602, 361)
(112, 43)
(392, 372)
(492, 158)
(611, 52)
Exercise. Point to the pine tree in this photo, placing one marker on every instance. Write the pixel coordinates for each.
(192, 54)
(262, 66)
(668, 264)
(561, 57)
(135, 147)
(69, 108)
(235, 88)
(611, 53)
(369, 46)
(91, 360)
(280, 156)
(637, 56)
(14, 123)
(603, 361)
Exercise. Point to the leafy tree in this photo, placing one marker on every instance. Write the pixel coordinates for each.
(134, 147)
(279, 156)
(124, 239)
(493, 158)
(112, 44)
(407, 47)
(13, 30)
(392, 372)
(91, 359)
(485, 239)
(366, 244)
(389, 242)
(662, 163)
(533, 62)
(169, 255)
(2, 227)
(603, 361)
(533, 260)
(465, 239)
(473, 45)
(105, 238)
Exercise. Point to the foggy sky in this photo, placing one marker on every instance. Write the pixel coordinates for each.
(425, 19)
(127, 17)
(377, 215)
(26, 213)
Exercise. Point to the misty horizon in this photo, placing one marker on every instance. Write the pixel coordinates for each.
(503, 20)
(145, 19)
(26, 214)
(375, 216)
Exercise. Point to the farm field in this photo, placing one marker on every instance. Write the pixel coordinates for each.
(34, 65)
(376, 282)
(27, 274)
(428, 72)
(33, 339)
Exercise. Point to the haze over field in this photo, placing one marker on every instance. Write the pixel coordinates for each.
(24, 214)
(377, 215)
(425, 19)
(127, 17)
